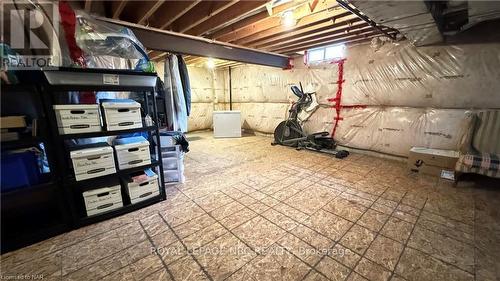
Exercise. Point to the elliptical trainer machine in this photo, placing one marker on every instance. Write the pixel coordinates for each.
(290, 132)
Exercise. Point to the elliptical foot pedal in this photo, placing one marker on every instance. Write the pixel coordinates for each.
(342, 154)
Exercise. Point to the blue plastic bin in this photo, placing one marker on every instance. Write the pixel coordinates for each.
(19, 170)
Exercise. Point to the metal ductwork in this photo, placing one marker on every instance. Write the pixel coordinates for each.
(429, 22)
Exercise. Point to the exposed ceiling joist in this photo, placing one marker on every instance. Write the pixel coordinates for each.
(196, 60)
(152, 53)
(253, 19)
(147, 9)
(251, 29)
(249, 33)
(239, 25)
(117, 8)
(159, 56)
(307, 21)
(190, 59)
(230, 13)
(303, 33)
(362, 16)
(331, 32)
(352, 42)
(332, 41)
(171, 11)
(328, 37)
(167, 41)
(200, 13)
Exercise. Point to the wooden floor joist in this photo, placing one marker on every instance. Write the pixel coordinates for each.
(344, 40)
(257, 24)
(328, 12)
(307, 33)
(230, 13)
(338, 34)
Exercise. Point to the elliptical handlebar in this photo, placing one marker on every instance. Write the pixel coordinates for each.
(296, 91)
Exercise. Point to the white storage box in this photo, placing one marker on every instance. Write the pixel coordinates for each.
(147, 187)
(132, 152)
(77, 118)
(93, 162)
(122, 114)
(102, 200)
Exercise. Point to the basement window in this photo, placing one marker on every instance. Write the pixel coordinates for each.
(326, 54)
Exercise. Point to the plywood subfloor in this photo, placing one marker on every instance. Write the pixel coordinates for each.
(250, 211)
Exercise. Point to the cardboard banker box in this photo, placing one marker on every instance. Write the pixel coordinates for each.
(432, 161)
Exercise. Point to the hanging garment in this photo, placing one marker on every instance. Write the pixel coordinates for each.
(164, 112)
(172, 123)
(186, 85)
(178, 94)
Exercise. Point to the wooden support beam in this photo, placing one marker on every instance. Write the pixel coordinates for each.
(257, 18)
(304, 33)
(332, 41)
(330, 32)
(235, 11)
(305, 22)
(328, 37)
(117, 8)
(200, 13)
(148, 9)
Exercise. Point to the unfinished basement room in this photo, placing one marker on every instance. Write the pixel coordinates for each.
(248, 140)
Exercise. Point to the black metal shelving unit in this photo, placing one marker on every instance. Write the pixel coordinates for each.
(31, 213)
(142, 87)
(52, 86)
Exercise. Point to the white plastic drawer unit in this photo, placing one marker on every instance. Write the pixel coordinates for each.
(142, 187)
(172, 175)
(93, 162)
(132, 152)
(122, 114)
(103, 199)
(77, 118)
(170, 163)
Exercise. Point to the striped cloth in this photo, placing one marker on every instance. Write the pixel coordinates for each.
(485, 164)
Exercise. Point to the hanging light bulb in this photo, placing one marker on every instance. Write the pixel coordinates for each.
(210, 63)
(288, 19)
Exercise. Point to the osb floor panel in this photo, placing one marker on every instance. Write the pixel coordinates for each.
(250, 211)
